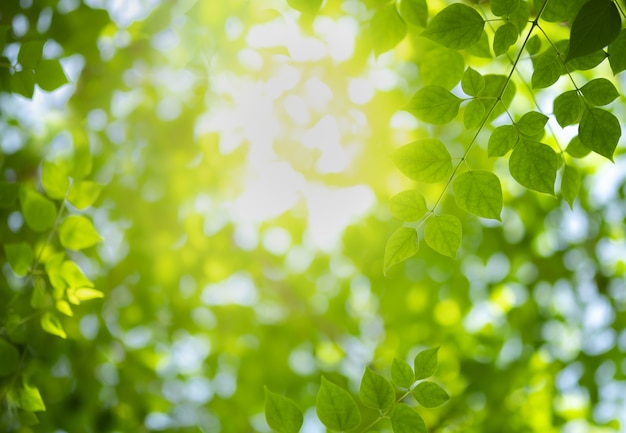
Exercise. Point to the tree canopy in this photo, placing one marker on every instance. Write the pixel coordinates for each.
(309, 215)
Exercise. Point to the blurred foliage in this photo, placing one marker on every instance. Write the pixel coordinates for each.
(195, 206)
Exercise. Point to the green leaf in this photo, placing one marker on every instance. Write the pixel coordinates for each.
(521, 16)
(570, 184)
(408, 205)
(10, 358)
(51, 324)
(387, 29)
(79, 294)
(306, 6)
(429, 394)
(559, 10)
(441, 66)
(505, 36)
(376, 391)
(502, 139)
(54, 180)
(534, 166)
(49, 75)
(23, 83)
(600, 131)
(414, 12)
(482, 48)
(533, 46)
(39, 212)
(474, 114)
(84, 193)
(472, 82)
(9, 193)
(335, 407)
(425, 363)
(282, 415)
(457, 26)
(531, 123)
(501, 8)
(401, 373)
(492, 95)
(479, 193)
(77, 232)
(547, 70)
(443, 234)
(599, 92)
(577, 149)
(425, 160)
(587, 62)
(404, 419)
(434, 104)
(30, 54)
(617, 53)
(568, 108)
(596, 25)
(20, 257)
(38, 298)
(401, 245)
(30, 399)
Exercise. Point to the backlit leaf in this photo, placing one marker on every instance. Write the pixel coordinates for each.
(434, 104)
(10, 358)
(282, 415)
(441, 66)
(429, 394)
(531, 123)
(23, 83)
(501, 8)
(533, 46)
(30, 54)
(84, 193)
(408, 205)
(20, 256)
(54, 180)
(335, 407)
(568, 108)
(306, 6)
(479, 193)
(443, 234)
(474, 114)
(77, 232)
(596, 25)
(599, 91)
(51, 324)
(577, 149)
(30, 399)
(376, 391)
(39, 212)
(547, 70)
(472, 82)
(600, 131)
(414, 12)
(401, 245)
(521, 16)
(49, 75)
(425, 363)
(387, 30)
(570, 184)
(401, 373)
(502, 139)
(425, 160)
(617, 53)
(78, 294)
(534, 166)
(404, 419)
(38, 298)
(505, 36)
(457, 26)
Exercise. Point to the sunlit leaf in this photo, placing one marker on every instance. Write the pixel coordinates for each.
(474, 114)
(77, 232)
(408, 205)
(533, 46)
(38, 298)
(401, 373)
(570, 184)
(335, 407)
(547, 70)
(401, 245)
(599, 91)
(441, 66)
(282, 415)
(23, 83)
(414, 12)
(51, 324)
(534, 165)
(599, 130)
(506, 35)
(30, 399)
(520, 16)
(64, 307)
(479, 193)
(54, 180)
(84, 193)
(425, 363)
(49, 75)
(404, 419)
(617, 53)
(502, 139)
(577, 149)
(20, 256)
(596, 25)
(434, 104)
(425, 160)
(568, 108)
(531, 123)
(376, 391)
(10, 358)
(443, 234)
(39, 212)
(387, 30)
(501, 8)
(306, 6)
(457, 26)
(429, 394)
(472, 82)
